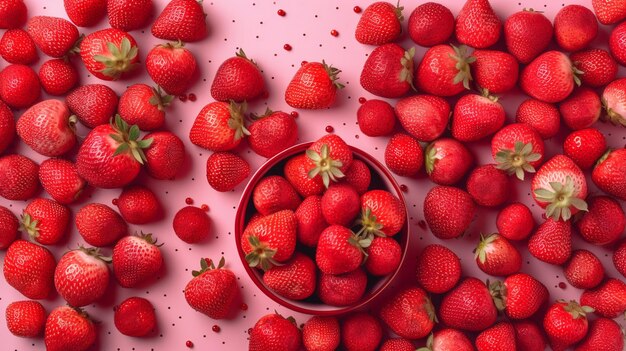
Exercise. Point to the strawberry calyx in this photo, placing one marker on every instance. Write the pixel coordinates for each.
(604, 157)
(128, 139)
(119, 59)
(207, 265)
(291, 319)
(485, 93)
(576, 73)
(160, 100)
(497, 289)
(398, 11)
(173, 45)
(430, 310)
(531, 10)
(325, 166)
(369, 225)
(517, 161)
(236, 120)
(463, 61)
(333, 74)
(361, 242)
(255, 117)
(480, 252)
(95, 252)
(75, 49)
(30, 226)
(561, 197)
(147, 237)
(429, 343)
(430, 158)
(612, 116)
(261, 255)
(406, 74)
(575, 309)
(242, 54)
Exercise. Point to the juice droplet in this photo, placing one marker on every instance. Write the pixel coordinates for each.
(287, 47)
(249, 330)
(334, 33)
(182, 98)
(191, 97)
(562, 285)
(189, 344)
(357, 9)
(114, 202)
(362, 100)
(216, 328)
(330, 129)
(294, 114)
(244, 307)
(188, 201)
(422, 224)
(356, 136)
(281, 13)
(404, 188)
(205, 207)
(303, 63)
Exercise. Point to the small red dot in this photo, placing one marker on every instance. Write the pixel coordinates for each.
(294, 114)
(330, 129)
(357, 9)
(362, 100)
(287, 47)
(422, 224)
(182, 98)
(356, 136)
(244, 307)
(404, 188)
(114, 202)
(189, 344)
(562, 285)
(303, 63)
(281, 12)
(188, 201)
(249, 330)
(334, 33)
(216, 328)
(205, 207)
(192, 97)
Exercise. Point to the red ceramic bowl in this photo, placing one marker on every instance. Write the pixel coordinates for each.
(381, 179)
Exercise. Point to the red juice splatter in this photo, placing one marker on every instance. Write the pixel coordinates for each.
(189, 344)
(303, 63)
(334, 33)
(205, 207)
(562, 285)
(281, 13)
(114, 202)
(330, 129)
(362, 100)
(244, 307)
(422, 224)
(357, 9)
(189, 201)
(192, 97)
(404, 188)
(216, 328)
(294, 114)
(287, 47)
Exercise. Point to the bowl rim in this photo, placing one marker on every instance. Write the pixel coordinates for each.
(240, 227)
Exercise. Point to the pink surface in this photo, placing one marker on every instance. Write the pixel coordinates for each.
(255, 26)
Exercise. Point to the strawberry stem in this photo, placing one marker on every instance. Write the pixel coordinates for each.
(517, 161)
(128, 140)
(325, 166)
(560, 198)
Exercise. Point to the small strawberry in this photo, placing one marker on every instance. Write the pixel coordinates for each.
(144, 106)
(581, 109)
(136, 259)
(552, 242)
(359, 176)
(85, 13)
(495, 255)
(444, 71)
(109, 53)
(529, 336)
(58, 76)
(376, 118)
(585, 147)
(129, 15)
(225, 170)
(566, 322)
(135, 317)
(550, 77)
(430, 24)
(599, 66)
(520, 296)
(495, 71)
(447, 161)
(614, 101)
(342, 289)
(7, 127)
(165, 155)
(409, 313)
(29, 269)
(610, 174)
(468, 307)
(488, 186)
(340, 204)
(331, 157)
(425, 117)
(93, 104)
(50, 136)
(19, 86)
(527, 34)
(9, 226)
(172, 67)
(13, 14)
(542, 116)
(404, 155)
(339, 250)
(609, 12)
(26, 318)
(477, 25)
(314, 86)
(192, 224)
(476, 117)
(575, 26)
(357, 325)
(212, 291)
(608, 300)
(448, 339)
(294, 279)
(54, 36)
(584, 270)
(68, 328)
(448, 211)
(321, 334)
(500, 337)
(274, 332)
(438, 269)
(273, 194)
(81, 276)
(604, 334)
(397, 344)
(383, 256)
(182, 20)
(18, 177)
(517, 148)
(139, 205)
(45, 221)
(380, 23)
(239, 79)
(16, 46)
(515, 222)
(383, 214)
(61, 180)
(310, 220)
(99, 225)
(219, 126)
(272, 133)
(619, 258)
(297, 171)
(388, 71)
(270, 240)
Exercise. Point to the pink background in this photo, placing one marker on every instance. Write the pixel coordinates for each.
(255, 26)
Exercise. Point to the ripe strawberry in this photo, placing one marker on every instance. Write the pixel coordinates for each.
(495, 255)
(477, 25)
(239, 79)
(297, 171)
(342, 289)
(68, 328)
(109, 53)
(85, 13)
(585, 147)
(619, 258)
(383, 256)
(144, 106)
(19, 86)
(448, 211)
(529, 336)
(25, 318)
(383, 214)
(542, 116)
(438, 269)
(520, 295)
(599, 66)
(425, 117)
(604, 334)
(139, 205)
(93, 104)
(310, 220)
(57, 76)
(12, 14)
(16, 46)
(165, 155)
(609, 12)
(430, 24)
(60, 179)
(359, 176)
(129, 15)
(357, 325)
(50, 136)
(468, 306)
(409, 313)
(380, 23)
(608, 300)
(225, 170)
(404, 155)
(376, 118)
(614, 101)
(610, 174)
(476, 117)
(575, 26)
(331, 158)
(447, 161)
(219, 126)
(488, 186)
(182, 20)
(7, 127)
(45, 221)
(136, 259)
(212, 291)
(272, 133)
(584, 270)
(29, 268)
(321, 334)
(18, 177)
(135, 317)
(339, 250)
(517, 148)
(495, 71)
(581, 109)
(527, 34)
(273, 194)
(552, 242)
(172, 67)
(500, 337)
(448, 339)
(270, 240)
(616, 43)
(558, 81)
(54, 36)
(274, 332)
(515, 222)
(191, 224)
(294, 279)
(388, 71)
(8, 228)
(81, 276)
(99, 225)
(314, 86)
(340, 204)
(397, 344)
(444, 71)
(566, 322)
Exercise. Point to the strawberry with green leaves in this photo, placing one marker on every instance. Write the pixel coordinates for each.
(212, 290)
(54, 36)
(447, 161)
(136, 259)
(558, 81)
(599, 66)
(275, 332)
(239, 79)
(477, 25)
(339, 250)
(444, 71)
(609, 173)
(68, 328)
(380, 23)
(61, 180)
(129, 15)
(382, 213)
(388, 71)
(29, 269)
(520, 295)
(25, 319)
(81, 276)
(331, 158)
(566, 323)
(219, 126)
(189, 27)
(294, 279)
(93, 104)
(297, 171)
(85, 13)
(144, 106)
(135, 317)
(552, 242)
(226, 170)
(409, 313)
(342, 289)
(270, 240)
(109, 53)
(51, 136)
(272, 133)
(495, 255)
(45, 221)
(172, 67)
(517, 148)
(313, 87)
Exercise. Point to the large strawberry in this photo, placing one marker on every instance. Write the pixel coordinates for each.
(226, 170)
(551, 77)
(85, 13)
(438, 269)
(274, 332)
(527, 34)
(342, 289)
(314, 86)
(270, 240)
(294, 279)
(172, 67)
(144, 106)
(48, 128)
(29, 268)
(331, 157)
(609, 12)
(54, 36)
(379, 24)
(614, 101)
(444, 71)
(7, 127)
(542, 116)
(409, 313)
(45, 221)
(477, 25)
(19, 86)
(468, 306)
(136, 259)
(165, 155)
(383, 214)
(448, 211)
(274, 193)
(61, 180)
(239, 79)
(58, 76)
(585, 147)
(599, 66)
(430, 24)
(604, 223)
(16, 46)
(608, 300)
(8, 227)
(129, 15)
(25, 318)
(81, 276)
(476, 117)
(425, 117)
(520, 295)
(321, 334)
(339, 250)
(182, 20)
(13, 14)
(212, 290)
(575, 27)
(566, 322)
(93, 104)
(517, 148)
(552, 242)
(447, 161)
(272, 133)
(135, 317)
(610, 174)
(495, 255)
(109, 53)
(448, 339)
(99, 225)
(69, 329)
(376, 118)
(355, 326)
(404, 155)
(500, 337)
(388, 71)
(495, 71)
(219, 126)
(18, 177)
(604, 334)
(584, 270)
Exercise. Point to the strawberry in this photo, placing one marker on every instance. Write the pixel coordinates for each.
(212, 291)
(342, 289)
(339, 250)
(321, 334)
(488, 186)
(109, 53)
(383, 214)
(270, 240)
(604, 334)
(550, 77)
(54, 36)
(85, 13)
(468, 307)
(614, 101)
(314, 86)
(542, 116)
(599, 66)
(45, 221)
(129, 15)
(18, 177)
(353, 329)
(609, 12)
(500, 337)
(430, 24)
(383, 256)
(81, 276)
(476, 117)
(397, 344)
(575, 26)
(520, 295)
(584, 270)
(136, 259)
(68, 328)
(448, 211)
(380, 23)
(144, 106)
(9, 226)
(239, 79)
(57, 76)
(529, 336)
(225, 170)
(444, 71)
(376, 118)
(608, 300)
(477, 25)
(139, 205)
(585, 147)
(99, 225)
(388, 71)
(340, 204)
(272, 133)
(331, 157)
(295, 279)
(448, 339)
(552, 242)
(182, 20)
(93, 104)
(566, 322)
(274, 332)
(60, 179)
(438, 269)
(581, 109)
(12, 14)
(29, 268)
(409, 313)
(495, 255)
(527, 34)
(165, 155)
(404, 155)
(495, 71)
(192, 224)
(19, 86)
(219, 126)
(273, 194)
(609, 173)
(135, 317)
(447, 161)
(111, 155)
(425, 117)
(172, 67)
(359, 176)
(7, 127)
(517, 148)
(16, 46)
(619, 258)
(515, 221)
(25, 318)
(297, 171)
(310, 220)
(50, 136)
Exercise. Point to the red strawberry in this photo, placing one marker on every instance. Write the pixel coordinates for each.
(404, 155)
(58, 76)
(517, 148)
(380, 23)
(29, 268)
(495, 71)
(270, 240)
(438, 269)
(144, 106)
(448, 339)
(584, 270)
(425, 117)
(25, 318)
(192, 224)
(19, 86)
(139, 205)
(447, 161)
(136, 259)
(294, 279)
(99, 225)
(273, 194)
(430, 24)
(599, 66)
(409, 313)
(359, 176)
(165, 156)
(135, 317)
(182, 20)
(274, 332)
(448, 211)
(54, 36)
(8, 227)
(340, 204)
(18, 177)
(93, 104)
(495, 255)
(527, 34)
(520, 295)
(129, 15)
(310, 220)
(81, 276)
(339, 250)
(542, 116)
(45, 221)
(331, 157)
(477, 25)
(566, 322)
(357, 325)
(376, 118)
(12, 14)
(610, 174)
(321, 334)
(550, 77)
(575, 26)
(314, 86)
(297, 171)
(488, 186)
(219, 126)
(397, 344)
(604, 334)
(85, 13)
(239, 79)
(16, 46)
(529, 336)
(444, 71)
(515, 222)
(109, 53)
(616, 43)
(383, 256)
(383, 214)
(500, 337)
(60, 179)
(172, 67)
(342, 289)
(7, 127)
(619, 258)
(552, 242)
(609, 12)
(272, 133)
(614, 101)
(69, 329)
(608, 300)
(225, 170)
(48, 128)
(212, 291)
(476, 117)
(585, 147)
(388, 71)
(581, 109)
(468, 306)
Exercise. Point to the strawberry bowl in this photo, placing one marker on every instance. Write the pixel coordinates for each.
(306, 255)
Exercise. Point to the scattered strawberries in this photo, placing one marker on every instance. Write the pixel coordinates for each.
(81, 276)
(212, 291)
(575, 26)
(136, 259)
(431, 24)
(425, 117)
(599, 66)
(488, 186)
(608, 300)
(448, 211)
(444, 71)
(403, 155)
(54, 36)
(409, 313)
(16, 46)
(68, 328)
(171, 67)
(447, 161)
(584, 270)
(144, 106)
(110, 61)
(517, 148)
(355, 326)
(438, 269)
(515, 221)
(520, 295)
(226, 170)
(477, 25)
(238, 79)
(609, 173)
(527, 34)
(542, 116)
(321, 334)
(272, 133)
(495, 255)
(85, 13)
(552, 242)
(25, 318)
(19, 86)
(192, 224)
(468, 306)
(379, 24)
(165, 155)
(294, 279)
(135, 317)
(191, 26)
(29, 268)
(566, 322)
(554, 87)
(18, 177)
(582, 109)
(99, 225)
(51, 136)
(45, 221)
(585, 147)
(93, 104)
(388, 71)
(476, 117)
(273, 331)
(314, 86)
(219, 126)
(129, 15)
(61, 180)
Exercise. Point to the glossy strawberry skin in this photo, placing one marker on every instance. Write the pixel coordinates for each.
(95, 44)
(562, 327)
(136, 260)
(397, 344)
(447, 161)
(58, 76)
(312, 87)
(93, 104)
(13, 14)
(585, 147)
(384, 256)
(16, 46)
(18, 177)
(610, 174)
(25, 318)
(448, 211)
(451, 339)
(273, 134)
(50, 136)
(468, 306)
(99, 225)
(213, 292)
(559, 169)
(321, 334)
(54, 36)
(438, 269)
(342, 289)
(584, 270)
(435, 74)
(619, 258)
(7, 127)
(529, 336)
(144, 106)
(139, 205)
(495, 71)
(61, 180)
(67, 328)
(552, 242)
(336, 254)
(135, 317)
(575, 26)
(129, 15)
(495, 255)
(499, 337)
(311, 220)
(340, 204)
(388, 209)
(609, 12)
(604, 334)
(616, 43)
(172, 67)
(273, 194)
(488, 186)
(355, 326)
(20, 86)
(277, 231)
(376, 118)
(81, 278)
(524, 296)
(226, 170)
(274, 332)
(599, 66)
(515, 222)
(582, 109)
(8, 228)
(414, 322)
(553, 87)
(296, 172)
(359, 176)
(431, 24)
(338, 149)
(608, 300)
(527, 34)
(404, 155)
(614, 101)
(388, 71)
(425, 117)
(295, 279)
(476, 117)
(52, 220)
(165, 156)
(477, 25)
(192, 224)
(181, 20)
(85, 13)
(29, 268)
(542, 116)
(507, 138)
(379, 24)
(213, 131)
(239, 79)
